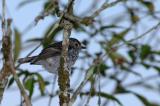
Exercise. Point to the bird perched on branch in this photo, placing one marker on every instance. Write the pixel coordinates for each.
(49, 57)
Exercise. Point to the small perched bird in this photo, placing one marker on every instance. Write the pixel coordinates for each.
(49, 57)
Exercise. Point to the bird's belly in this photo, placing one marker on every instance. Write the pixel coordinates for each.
(52, 64)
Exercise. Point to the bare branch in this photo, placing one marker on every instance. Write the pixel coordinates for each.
(5, 72)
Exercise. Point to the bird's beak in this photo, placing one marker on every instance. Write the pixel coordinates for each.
(83, 46)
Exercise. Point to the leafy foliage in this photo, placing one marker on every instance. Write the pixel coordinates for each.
(120, 47)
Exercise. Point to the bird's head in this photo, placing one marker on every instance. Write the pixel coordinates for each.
(75, 44)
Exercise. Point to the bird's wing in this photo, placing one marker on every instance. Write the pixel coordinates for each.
(50, 51)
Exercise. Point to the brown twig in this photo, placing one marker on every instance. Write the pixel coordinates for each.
(4, 74)
(63, 73)
(8, 64)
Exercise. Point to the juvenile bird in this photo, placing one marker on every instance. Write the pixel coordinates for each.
(49, 57)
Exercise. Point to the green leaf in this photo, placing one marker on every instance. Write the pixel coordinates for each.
(25, 2)
(145, 51)
(134, 17)
(109, 26)
(146, 65)
(50, 34)
(10, 82)
(17, 44)
(149, 5)
(120, 89)
(90, 72)
(157, 68)
(29, 85)
(41, 83)
(118, 37)
(102, 94)
(48, 6)
(103, 68)
(24, 72)
(110, 97)
(35, 40)
(132, 55)
(128, 69)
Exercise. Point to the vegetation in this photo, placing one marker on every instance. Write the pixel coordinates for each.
(121, 59)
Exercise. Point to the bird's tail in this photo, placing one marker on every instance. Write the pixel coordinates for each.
(26, 60)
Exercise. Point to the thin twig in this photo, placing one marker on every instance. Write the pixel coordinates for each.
(48, 11)
(145, 33)
(52, 90)
(138, 37)
(146, 79)
(90, 93)
(89, 73)
(4, 74)
(22, 90)
(30, 53)
(99, 86)
(110, 49)
(105, 6)
(75, 94)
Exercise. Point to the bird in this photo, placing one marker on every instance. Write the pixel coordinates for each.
(49, 57)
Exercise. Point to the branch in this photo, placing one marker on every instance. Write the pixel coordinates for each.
(105, 6)
(51, 95)
(89, 74)
(155, 27)
(90, 19)
(8, 63)
(63, 73)
(48, 11)
(5, 73)
(9, 67)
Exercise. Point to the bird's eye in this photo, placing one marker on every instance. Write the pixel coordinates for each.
(76, 44)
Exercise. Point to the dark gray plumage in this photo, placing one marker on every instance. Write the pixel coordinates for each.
(49, 57)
